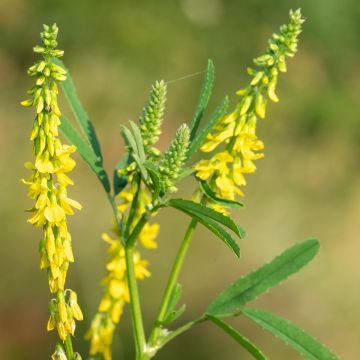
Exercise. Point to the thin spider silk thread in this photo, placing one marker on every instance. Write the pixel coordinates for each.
(184, 77)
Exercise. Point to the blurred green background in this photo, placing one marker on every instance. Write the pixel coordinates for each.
(308, 185)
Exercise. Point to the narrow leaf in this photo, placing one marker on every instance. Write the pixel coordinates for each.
(290, 334)
(204, 98)
(134, 142)
(139, 141)
(242, 340)
(80, 114)
(215, 228)
(200, 138)
(250, 286)
(129, 139)
(174, 298)
(173, 315)
(212, 196)
(85, 151)
(196, 209)
(140, 164)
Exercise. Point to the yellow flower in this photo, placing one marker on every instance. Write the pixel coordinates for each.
(148, 235)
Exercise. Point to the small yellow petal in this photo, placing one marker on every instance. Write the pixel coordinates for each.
(54, 214)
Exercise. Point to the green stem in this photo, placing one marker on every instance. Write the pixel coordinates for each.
(111, 199)
(68, 348)
(138, 327)
(137, 320)
(182, 329)
(172, 281)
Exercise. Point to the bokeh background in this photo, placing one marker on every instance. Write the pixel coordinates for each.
(308, 185)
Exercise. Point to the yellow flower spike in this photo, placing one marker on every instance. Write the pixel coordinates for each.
(243, 143)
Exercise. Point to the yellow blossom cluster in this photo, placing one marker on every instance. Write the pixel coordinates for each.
(237, 130)
(48, 183)
(116, 292)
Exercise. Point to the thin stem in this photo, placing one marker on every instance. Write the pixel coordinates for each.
(133, 209)
(137, 320)
(69, 348)
(111, 199)
(182, 329)
(172, 280)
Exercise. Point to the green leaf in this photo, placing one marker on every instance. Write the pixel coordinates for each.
(290, 334)
(120, 181)
(80, 114)
(242, 340)
(85, 151)
(214, 227)
(129, 139)
(175, 297)
(138, 155)
(204, 98)
(200, 138)
(174, 315)
(198, 209)
(250, 286)
(139, 141)
(213, 196)
(171, 314)
(157, 185)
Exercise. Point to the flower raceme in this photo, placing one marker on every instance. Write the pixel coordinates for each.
(237, 130)
(116, 291)
(48, 184)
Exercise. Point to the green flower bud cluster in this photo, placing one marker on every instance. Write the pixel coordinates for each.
(152, 117)
(174, 158)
